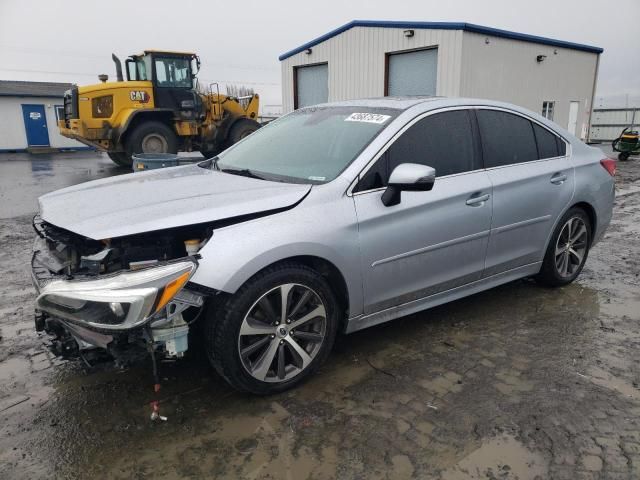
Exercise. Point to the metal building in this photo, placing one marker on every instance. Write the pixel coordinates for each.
(374, 58)
(29, 113)
(607, 123)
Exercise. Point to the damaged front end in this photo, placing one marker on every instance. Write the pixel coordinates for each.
(116, 299)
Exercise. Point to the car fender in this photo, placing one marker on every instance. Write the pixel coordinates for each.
(322, 228)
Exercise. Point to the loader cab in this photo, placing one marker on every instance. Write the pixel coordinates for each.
(173, 76)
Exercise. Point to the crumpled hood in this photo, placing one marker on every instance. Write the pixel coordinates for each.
(160, 199)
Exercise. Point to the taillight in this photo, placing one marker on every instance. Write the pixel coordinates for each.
(609, 165)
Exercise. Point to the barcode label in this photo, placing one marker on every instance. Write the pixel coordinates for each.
(367, 118)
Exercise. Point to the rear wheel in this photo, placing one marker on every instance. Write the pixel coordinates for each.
(241, 129)
(568, 249)
(275, 331)
(120, 158)
(623, 156)
(151, 137)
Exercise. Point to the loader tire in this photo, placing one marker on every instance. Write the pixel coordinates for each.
(121, 159)
(241, 129)
(151, 137)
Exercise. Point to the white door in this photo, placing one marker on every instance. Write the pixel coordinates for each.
(573, 117)
(412, 73)
(311, 85)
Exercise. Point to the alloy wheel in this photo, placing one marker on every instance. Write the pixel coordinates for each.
(571, 247)
(282, 333)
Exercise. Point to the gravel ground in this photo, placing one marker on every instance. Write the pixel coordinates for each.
(514, 383)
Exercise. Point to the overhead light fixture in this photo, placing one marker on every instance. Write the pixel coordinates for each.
(409, 33)
(308, 51)
(540, 58)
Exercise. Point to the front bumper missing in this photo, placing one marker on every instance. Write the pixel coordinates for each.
(116, 302)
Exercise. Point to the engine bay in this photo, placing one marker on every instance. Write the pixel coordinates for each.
(72, 255)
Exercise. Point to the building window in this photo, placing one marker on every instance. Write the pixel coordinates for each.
(59, 112)
(547, 109)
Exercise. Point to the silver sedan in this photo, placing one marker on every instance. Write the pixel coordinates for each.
(331, 219)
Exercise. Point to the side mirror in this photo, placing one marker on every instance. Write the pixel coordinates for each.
(410, 177)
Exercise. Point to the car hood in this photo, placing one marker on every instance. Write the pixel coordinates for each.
(161, 199)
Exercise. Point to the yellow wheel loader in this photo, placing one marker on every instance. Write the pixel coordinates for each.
(160, 108)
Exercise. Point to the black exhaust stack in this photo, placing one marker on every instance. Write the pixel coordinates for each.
(116, 60)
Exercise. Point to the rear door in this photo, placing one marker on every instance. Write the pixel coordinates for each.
(431, 241)
(533, 182)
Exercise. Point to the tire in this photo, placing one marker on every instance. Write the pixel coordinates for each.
(248, 311)
(151, 137)
(623, 156)
(560, 265)
(121, 159)
(242, 128)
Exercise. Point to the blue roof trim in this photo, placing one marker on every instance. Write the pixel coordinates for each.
(469, 27)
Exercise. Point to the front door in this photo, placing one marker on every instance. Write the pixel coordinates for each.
(35, 124)
(532, 181)
(431, 241)
(573, 117)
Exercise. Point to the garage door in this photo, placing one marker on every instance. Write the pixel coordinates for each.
(312, 85)
(412, 73)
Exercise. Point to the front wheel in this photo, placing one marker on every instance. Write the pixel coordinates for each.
(275, 331)
(623, 156)
(568, 249)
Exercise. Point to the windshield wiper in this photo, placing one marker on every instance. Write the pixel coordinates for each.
(243, 172)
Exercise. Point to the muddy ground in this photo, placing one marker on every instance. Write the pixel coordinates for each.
(517, 382)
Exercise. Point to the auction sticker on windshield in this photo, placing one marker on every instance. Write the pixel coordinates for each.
(367, 118)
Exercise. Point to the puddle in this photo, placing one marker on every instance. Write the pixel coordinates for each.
(604, 379)
(503, 457)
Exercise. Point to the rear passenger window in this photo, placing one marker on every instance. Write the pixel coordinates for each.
(506, 138)
(547, 144)
(443, 141)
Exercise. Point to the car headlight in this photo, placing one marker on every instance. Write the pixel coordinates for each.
(116, 302)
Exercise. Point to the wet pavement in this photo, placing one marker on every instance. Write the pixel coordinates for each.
(518, 382)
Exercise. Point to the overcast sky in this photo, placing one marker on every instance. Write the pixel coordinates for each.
(239, 41)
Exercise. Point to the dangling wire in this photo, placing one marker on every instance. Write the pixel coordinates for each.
(155, 404)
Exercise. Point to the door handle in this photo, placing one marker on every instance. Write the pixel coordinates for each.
(478, 201)
(558, 179)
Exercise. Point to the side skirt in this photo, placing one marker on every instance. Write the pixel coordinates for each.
(364, 321)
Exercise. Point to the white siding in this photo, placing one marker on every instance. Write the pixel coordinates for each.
(356, 61)
(13, 135)
(507, 70)
(607, 124)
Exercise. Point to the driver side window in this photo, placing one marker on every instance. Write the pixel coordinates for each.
(443, 141)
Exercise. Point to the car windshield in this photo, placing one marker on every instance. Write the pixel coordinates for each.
(312, 145)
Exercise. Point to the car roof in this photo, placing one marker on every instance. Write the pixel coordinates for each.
(428, 102)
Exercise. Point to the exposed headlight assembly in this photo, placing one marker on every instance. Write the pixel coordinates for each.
(118, 302)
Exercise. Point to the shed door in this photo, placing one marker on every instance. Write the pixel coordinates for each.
(412, 73)
(312, 85)
(35, 124)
